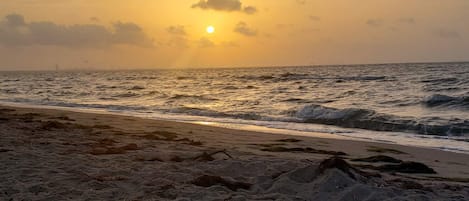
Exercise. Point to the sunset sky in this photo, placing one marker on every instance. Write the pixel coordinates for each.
(123, 34)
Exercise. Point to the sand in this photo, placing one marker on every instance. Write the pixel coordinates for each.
(48, 154)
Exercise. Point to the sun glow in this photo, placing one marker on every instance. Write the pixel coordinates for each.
(210, 29)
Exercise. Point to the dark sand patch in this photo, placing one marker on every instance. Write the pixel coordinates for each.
(408, 167)
(4, 110)
(378, 158)
(106, 150)
(288, 140)
(384, 150)
(269, 145)
(302, 150)
(208, 181)
(101, 126)
(204, 157)
(169, 136)
(63, 118)
(5, 150)
(409, 184)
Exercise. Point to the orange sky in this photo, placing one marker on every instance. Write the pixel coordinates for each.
(116, 34)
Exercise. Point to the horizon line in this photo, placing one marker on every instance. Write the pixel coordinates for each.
(89, 69)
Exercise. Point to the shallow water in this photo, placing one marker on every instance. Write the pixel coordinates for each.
(423, 101)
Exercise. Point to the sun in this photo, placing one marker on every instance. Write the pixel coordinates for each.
(210, 29)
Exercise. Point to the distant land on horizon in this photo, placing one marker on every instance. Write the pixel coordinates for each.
(223, 67)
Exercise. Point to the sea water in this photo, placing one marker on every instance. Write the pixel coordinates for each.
(424, 104)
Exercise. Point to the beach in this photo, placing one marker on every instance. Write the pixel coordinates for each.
(51, 154)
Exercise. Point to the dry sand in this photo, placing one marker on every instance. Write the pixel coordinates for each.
(48, 154)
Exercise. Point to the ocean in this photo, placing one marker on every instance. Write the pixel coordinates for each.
(424, 104)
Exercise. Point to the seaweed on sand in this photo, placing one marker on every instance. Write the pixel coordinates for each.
(302, 150)
(288, 140)
(378, 158)
(209, 180)
(201, 157)
(169, 136)
(384, 150)
(105, 150)
(408, 167)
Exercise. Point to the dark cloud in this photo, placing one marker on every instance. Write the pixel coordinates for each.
(130, 33)
(15, 20)
(374, 22)
(283, 26)
(406, 20)
(205, 43)
(314, 18)
(15, 31)
(230, 44)
(177, 30)
(250, 10)
(244, 29)
(94, 19)
(309, 30)
(302, 2)
(443, 33)
(225, 5)
(178, 36)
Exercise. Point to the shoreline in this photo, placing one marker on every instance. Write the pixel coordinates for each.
(78, 150)
(404, 139)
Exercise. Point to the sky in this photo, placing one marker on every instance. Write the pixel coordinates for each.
(123, 34)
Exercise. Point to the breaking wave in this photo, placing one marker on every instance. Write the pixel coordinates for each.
(371, 120)
(438, 100)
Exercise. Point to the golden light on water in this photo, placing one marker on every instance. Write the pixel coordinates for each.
(210, 29)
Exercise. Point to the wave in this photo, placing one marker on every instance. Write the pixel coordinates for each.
(441, 80)
(126, 95)
(371, 120)
(363, 78)
(197, 97)
(77, 105)
(136, 87)
(230, 88)
(347, 118)
(212, 113)
(438, 100)
(295, 76)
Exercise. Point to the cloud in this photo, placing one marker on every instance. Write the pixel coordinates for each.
(177, 30)
(225, 5)
(283, 26)
(205, 43)
(449, 34)
(94, 19)
(130, 33)
(302, 2)
(374, 22)
(406, 20)
(15, 20)
(15, 31)
(178, 36)
(250, 10)
(242, 28)
(314, 18)
(178, 41)
(230, 44)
